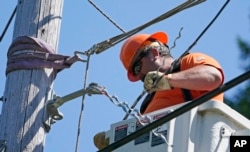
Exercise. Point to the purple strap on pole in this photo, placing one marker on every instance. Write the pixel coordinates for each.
(27, 52)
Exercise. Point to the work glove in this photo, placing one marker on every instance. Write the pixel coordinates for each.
(153, 76)
(100, 141)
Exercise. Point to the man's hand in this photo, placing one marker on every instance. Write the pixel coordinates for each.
(151, 77)
(100, 140)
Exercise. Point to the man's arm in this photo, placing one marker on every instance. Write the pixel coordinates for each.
(202, 77)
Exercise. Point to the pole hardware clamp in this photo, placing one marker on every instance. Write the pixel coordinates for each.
(56, 102)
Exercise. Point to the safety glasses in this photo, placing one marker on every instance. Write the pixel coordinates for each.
(137, 66)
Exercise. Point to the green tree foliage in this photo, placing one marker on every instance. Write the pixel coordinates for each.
(241, 100)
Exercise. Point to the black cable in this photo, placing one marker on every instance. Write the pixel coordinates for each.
(199, 36)
(177, 112)
(102, 46)
(184, 108)
(177, 61)
(8, 24)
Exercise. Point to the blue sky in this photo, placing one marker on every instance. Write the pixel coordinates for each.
(83, 26)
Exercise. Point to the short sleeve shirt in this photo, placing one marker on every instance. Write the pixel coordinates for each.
(163, 99)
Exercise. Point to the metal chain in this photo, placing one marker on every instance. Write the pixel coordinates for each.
(136, 114)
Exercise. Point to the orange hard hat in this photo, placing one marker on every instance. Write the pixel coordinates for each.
(131, 47)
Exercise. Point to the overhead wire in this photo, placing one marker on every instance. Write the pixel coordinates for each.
(82, 103)
(182, 55)
(100, 47)
(104, 45)
(185, 108)
(106, 16)
(194, 43)
(144, 91)
(8, 24)
(85, 79)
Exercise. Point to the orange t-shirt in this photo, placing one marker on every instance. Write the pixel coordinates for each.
(163, 99)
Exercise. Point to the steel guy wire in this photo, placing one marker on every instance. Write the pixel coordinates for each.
(97, 8)
(189, 48)
(82, 105)
(100, 47)
(8, 23)
(185, 108)
(194, 43)
(104, 45)
(179, 111)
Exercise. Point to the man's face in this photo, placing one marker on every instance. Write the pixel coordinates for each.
(145, 62)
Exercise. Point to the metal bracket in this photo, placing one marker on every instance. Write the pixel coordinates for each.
(56, 102)
(226, 131)
(53, 110)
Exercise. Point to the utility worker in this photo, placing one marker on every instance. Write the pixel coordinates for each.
(147, 57)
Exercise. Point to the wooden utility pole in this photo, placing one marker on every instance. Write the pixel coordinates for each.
(26, 91)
